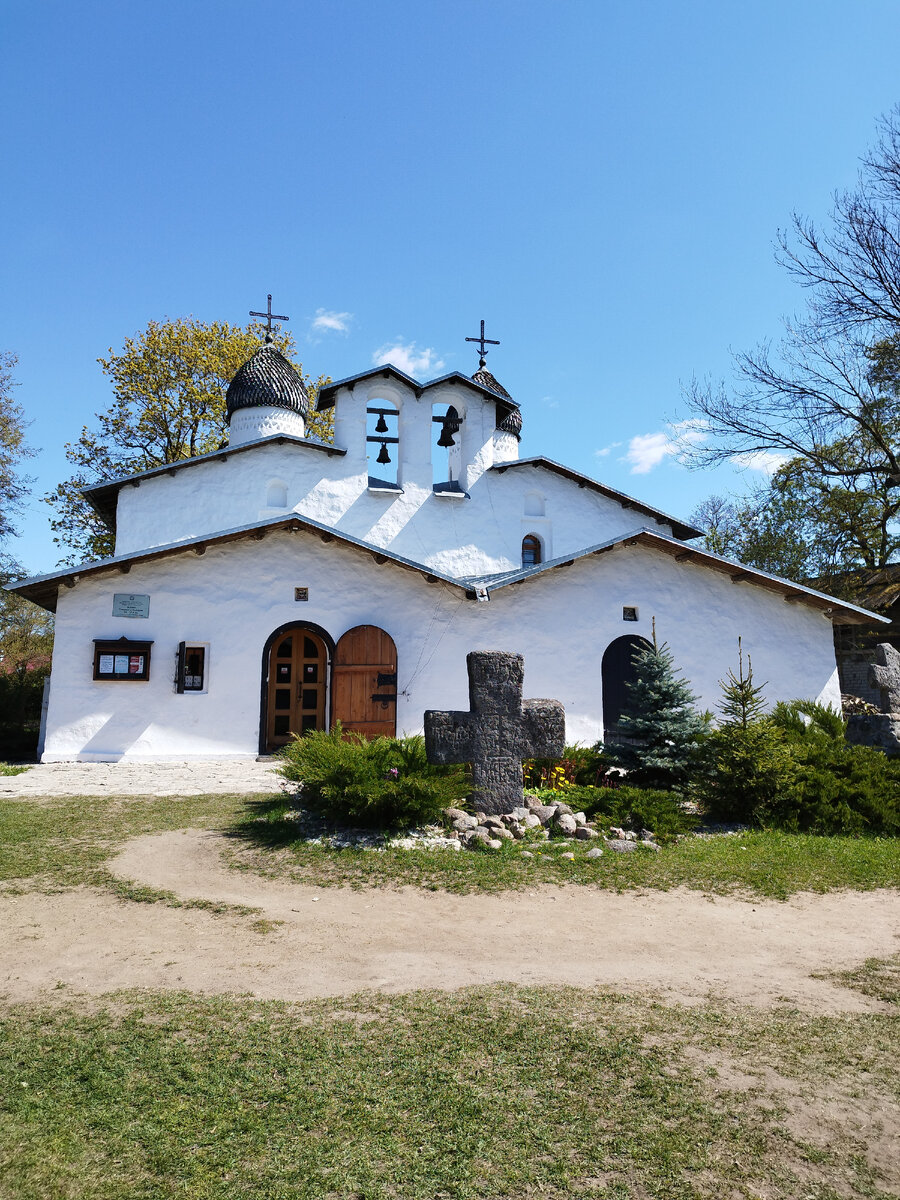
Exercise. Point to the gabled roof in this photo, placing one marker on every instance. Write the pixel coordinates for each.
(42, 589)
(325, 398)
(679, 528)
(840, 611)
(102, 496)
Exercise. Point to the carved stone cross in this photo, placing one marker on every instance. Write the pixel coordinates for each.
(885, 675)
(498, 733)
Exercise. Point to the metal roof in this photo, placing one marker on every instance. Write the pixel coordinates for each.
(679, 528)
(43, 589)
(841, 611)
(102, 496)
(325, 398)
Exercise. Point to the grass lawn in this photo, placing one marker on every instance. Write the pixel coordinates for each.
(64, 843)
(500, 1093)
(491, 1092)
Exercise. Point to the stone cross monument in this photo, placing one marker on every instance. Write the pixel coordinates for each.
(880, 729)
(498, 733)
(884, 674)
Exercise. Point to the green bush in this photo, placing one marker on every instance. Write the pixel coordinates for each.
(743, 769)
(385, 783)
(794, 771)
(661, 729)
(630, 807)
(836, 789)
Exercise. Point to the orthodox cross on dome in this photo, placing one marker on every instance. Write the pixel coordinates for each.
(270, 317)
(483, 341)
(498, 733)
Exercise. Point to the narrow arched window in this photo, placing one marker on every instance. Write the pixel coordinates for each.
(531, 550)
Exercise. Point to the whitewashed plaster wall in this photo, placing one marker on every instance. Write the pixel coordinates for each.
(481, 534)
(236, 595)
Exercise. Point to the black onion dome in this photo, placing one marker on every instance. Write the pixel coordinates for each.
(512, 422)
(509, 415)
(267, 379)
(486, 379)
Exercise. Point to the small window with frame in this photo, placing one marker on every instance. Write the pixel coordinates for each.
(122, 661)
(629, 613)
(190, 676)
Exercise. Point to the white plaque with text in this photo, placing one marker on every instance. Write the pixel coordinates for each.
(127, 605)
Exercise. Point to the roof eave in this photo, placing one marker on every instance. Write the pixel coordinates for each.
(103, 496)
(44, 589)
(840, 612)
(681, 529)
(326, 396)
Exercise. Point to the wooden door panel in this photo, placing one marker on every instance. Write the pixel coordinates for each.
(362, 655)
(296, 688)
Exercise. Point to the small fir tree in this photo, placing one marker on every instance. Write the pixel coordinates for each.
(742, 701)
(663, 727)
(749, 765)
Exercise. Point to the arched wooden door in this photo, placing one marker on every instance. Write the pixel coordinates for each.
(364, 683)
(617, 669)
(296, 689)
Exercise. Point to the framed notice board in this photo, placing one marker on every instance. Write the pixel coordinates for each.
(121, 661)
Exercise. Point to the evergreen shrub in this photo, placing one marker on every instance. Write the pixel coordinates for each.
(383, 783)
(631, 808)
(836, 788)
(663, 729)
(792, 769)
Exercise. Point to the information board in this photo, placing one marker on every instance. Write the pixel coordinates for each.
(127, 605)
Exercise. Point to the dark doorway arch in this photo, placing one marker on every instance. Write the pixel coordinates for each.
(296, 666)
(617, 670)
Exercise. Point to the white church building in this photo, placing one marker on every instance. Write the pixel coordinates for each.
(282, 584)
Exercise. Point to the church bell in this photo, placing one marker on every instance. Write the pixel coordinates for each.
(383, 456)
(446, 438)
(382, 426)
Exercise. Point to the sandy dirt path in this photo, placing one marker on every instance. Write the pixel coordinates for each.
(679, 944)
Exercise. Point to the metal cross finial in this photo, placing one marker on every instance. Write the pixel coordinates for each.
(270, 317)
(483, 341)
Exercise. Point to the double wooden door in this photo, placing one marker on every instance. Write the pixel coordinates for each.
(298, 677)
(363, 684)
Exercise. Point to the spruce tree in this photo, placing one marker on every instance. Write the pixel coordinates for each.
(663, 727)
(749, 765)
(742, 701)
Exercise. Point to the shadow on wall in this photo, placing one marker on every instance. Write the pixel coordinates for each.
(115, 738)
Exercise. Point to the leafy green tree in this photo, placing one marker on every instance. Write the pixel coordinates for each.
(13, 450)
(26, 645)
(662, 726)
(169, 383)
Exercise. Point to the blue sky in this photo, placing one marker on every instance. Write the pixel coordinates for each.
(601, 182)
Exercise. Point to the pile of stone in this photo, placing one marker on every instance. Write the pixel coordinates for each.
(540, 820)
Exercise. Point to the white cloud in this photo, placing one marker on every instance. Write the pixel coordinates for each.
(647, 450)
(767, 461)
(606, 449)
(408, 359)
(334, 322)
